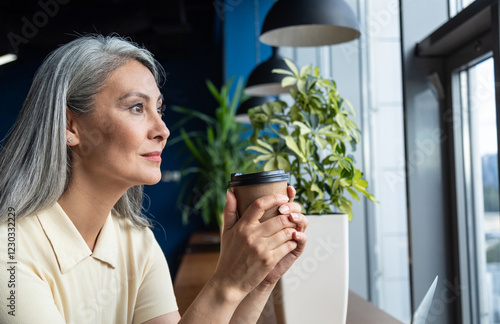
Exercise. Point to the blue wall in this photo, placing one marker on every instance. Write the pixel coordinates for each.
(242, 24)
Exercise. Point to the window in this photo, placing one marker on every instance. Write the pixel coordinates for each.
(477, 190)
(458, 5)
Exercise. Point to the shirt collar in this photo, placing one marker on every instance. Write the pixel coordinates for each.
(106, 247)
(69, 246)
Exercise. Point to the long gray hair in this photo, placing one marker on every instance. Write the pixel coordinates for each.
(35, 163)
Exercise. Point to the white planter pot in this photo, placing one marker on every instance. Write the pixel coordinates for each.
(315, 290)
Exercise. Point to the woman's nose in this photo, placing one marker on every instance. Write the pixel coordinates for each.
(160, 131)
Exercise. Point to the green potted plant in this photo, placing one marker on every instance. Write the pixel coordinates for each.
(310, 139)
(217, 150)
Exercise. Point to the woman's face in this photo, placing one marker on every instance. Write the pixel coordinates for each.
(122, 139)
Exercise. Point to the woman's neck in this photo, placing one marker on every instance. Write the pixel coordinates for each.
(88, 206)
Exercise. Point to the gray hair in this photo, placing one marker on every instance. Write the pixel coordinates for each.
(35, 162)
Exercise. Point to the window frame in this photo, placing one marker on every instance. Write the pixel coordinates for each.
(453, 50)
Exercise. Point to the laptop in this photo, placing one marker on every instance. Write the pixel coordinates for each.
(420, 315)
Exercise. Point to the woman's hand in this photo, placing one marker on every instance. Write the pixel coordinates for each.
(293, 211)
(257, 254)
(251, 250)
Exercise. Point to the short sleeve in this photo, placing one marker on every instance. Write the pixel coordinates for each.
(28, 297)
(156, 293)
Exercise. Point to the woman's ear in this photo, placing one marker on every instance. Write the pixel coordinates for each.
(72, 134)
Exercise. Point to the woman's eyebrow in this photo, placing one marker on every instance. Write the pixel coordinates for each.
(138, 94)
(134, 94)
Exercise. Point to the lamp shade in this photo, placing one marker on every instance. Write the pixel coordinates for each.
(251, 102)
(7, 58)
(263, 82)
(309, 23)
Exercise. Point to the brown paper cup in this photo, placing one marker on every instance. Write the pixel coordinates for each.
(249, 187)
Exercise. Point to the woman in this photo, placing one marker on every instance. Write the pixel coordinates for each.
(90, 134)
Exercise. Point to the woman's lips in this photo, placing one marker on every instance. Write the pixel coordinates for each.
(153, 156)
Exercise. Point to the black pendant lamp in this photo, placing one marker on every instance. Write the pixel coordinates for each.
(263, 82)
(309, 23)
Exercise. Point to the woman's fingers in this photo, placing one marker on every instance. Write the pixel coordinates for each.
(290, 207)
(230, 214)
(279, 238)
(286, 232)
(277, 224)
(290, 217)
(284, 249)
(291, 192)
(257, 209)
(300, 220)
(301, 239)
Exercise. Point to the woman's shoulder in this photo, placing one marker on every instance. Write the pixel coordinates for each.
(128, 231)
(13, 224)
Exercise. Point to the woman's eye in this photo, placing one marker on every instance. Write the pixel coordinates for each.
(161, 110)
(137, 108)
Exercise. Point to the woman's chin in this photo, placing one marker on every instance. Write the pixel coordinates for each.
(152, 180)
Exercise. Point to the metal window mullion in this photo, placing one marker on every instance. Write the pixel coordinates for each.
(495, 22)
(472, 217)
(462, 177)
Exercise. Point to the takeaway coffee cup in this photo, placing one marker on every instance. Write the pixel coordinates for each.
(249, 187)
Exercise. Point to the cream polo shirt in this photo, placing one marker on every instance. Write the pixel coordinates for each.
(56, 278)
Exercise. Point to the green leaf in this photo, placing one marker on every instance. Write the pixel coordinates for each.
(323, 143)
(362, 183)
(336, 185)
(265, 145)
(282, 71)
(353, 193)
(262, 158)
(194, 113)
(304, 129)
(235, 102)
(213, 90)
(288, 81)
(301, 86)
(191, 146)
(258, 118)
(210, 136)
(295, 113)
(257, 149)
(267, 108)
(283, 163)
(290, 143)
(292, 67)
(279, 121)
(304, 71)
(271, 165)
(315, 188)
(344, 183)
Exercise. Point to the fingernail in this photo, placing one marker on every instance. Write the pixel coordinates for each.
(284, 209)
(295, 216)
(297, 235)
(283, 198)
(227, 194)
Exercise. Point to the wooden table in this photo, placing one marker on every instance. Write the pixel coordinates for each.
(200, 261)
